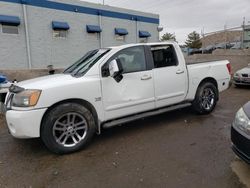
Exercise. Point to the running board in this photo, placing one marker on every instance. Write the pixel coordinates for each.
(143, 115)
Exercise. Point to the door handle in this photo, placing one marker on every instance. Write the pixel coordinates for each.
(180, 72)
(146, 77)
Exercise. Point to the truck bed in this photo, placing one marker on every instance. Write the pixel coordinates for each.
(205, 61)
(216, 70)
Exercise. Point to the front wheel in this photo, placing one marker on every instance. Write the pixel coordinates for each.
(67, 128)
(238, 86)
(206, 98)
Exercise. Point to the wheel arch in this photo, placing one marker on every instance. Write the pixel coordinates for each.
(85, 103)
(209, 80)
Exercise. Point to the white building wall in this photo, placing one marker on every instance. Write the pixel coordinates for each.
(151, 28)
(61, 52)
(110, 23)
(13, 52)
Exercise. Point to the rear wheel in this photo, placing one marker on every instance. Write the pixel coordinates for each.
(206, 98)
(67, 128)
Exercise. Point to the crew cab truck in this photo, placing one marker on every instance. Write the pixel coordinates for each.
(109, 87)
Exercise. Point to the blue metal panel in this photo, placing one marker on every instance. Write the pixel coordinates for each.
(84, 10)
(144, 34)
(93, 29)
(9, 20)
(60, 25)
(2, 79)
(121, 31)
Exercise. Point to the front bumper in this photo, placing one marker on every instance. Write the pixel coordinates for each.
(240, 145)
(25, 124)
(241, 81)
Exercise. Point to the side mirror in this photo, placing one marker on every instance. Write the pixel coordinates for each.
(115, 70)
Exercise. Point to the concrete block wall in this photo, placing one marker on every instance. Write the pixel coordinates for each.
(237, 61)
(229, 52)
(13, 51)
(62, 52)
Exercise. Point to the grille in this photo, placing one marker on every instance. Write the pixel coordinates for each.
(8, 101)
(245, 75)
(241, 142)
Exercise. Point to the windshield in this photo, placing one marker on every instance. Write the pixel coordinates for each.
(86, 62)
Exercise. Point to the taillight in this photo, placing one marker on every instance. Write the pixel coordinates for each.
(229, 68)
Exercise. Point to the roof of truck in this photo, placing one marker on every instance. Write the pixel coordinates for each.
(139, 44)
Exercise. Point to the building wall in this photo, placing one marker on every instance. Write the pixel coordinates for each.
(222, 37)
(246, 37)
(13, 52)
(61, 52)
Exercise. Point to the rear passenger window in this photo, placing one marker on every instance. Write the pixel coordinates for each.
(164, 56)
(132, 59)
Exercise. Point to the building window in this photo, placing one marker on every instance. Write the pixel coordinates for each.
(144, 35)
(9, 24)
(60, 29)
(93, 36)
(120, 34)
(10, 29)
(120, 37)
(59, 33)
(143, 40)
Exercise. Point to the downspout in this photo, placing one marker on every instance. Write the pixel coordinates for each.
(159, 37)
(100, 34)
(27, 36)
(136, 27)
(243, 32)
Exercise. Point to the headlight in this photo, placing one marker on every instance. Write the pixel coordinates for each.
(26, 98)
(242, 122)
(236, 75)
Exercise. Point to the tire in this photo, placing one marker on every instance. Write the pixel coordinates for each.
(238, 86)
(206, 98)
(2, 97)
(67, 128)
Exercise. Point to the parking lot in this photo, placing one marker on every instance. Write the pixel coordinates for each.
(176, 149)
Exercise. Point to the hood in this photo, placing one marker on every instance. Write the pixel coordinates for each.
(245, 70)
(46, 82)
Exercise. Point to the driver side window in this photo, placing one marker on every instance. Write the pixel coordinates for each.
(132, 59)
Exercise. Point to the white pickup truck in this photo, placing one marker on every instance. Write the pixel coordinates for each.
(109, 87)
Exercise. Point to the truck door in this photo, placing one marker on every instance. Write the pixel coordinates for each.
(135, 92)
(170, 76)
